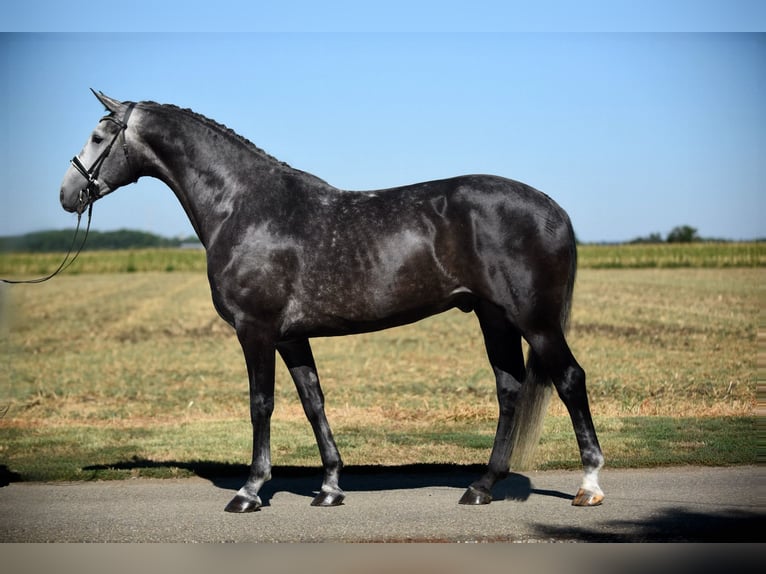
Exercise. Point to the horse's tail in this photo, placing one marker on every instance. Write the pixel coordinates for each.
(536, 392)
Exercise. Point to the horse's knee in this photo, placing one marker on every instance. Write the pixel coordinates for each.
(261, 406)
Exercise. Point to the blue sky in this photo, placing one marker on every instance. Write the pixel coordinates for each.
(633, 132)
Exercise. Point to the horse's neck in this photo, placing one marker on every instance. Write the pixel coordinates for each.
(207, 169)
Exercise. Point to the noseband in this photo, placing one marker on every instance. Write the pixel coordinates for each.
(89, 193)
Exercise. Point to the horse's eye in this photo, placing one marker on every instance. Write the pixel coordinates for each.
(96, 139)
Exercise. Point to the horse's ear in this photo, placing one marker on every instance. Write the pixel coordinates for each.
(110, 104)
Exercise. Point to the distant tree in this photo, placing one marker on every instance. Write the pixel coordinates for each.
(651, 238)
(683, 234)
(53, 241)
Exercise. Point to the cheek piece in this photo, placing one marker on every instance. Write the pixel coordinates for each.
(89, 193)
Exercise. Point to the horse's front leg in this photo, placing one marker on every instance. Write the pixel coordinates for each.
(299, 359)
(259, 350)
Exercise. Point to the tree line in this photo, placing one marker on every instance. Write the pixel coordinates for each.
(60, 240)
(679, 234)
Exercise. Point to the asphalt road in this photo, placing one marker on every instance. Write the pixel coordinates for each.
(687, 504)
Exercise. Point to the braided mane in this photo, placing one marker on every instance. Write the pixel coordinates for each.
(221, 128)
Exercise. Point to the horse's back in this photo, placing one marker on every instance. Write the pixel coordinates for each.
(487, 218)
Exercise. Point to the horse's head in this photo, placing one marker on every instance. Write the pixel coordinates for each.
(99, 168)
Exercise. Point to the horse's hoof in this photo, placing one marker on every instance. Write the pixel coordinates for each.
(329, 498)
(475, 496)
(587, 498)
(241, 504)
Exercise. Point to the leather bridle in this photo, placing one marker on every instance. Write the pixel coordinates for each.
(89, 193)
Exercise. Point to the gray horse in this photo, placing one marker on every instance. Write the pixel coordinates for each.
(291, 257)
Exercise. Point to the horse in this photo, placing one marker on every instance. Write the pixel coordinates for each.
(290, 258)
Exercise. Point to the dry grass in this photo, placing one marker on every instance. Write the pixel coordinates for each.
(143, 359)
(677, 343)
(673, 343)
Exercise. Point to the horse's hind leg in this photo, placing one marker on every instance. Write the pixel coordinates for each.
(299, 359)
(503, 344)
(569, 380)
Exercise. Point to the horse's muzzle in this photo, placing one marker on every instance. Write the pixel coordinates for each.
(84, 198)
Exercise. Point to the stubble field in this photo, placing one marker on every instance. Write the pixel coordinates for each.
(109, 375)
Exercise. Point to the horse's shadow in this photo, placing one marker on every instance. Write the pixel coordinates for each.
(305, 481)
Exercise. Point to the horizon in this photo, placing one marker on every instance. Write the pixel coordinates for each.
(632, 133)
(663, 237)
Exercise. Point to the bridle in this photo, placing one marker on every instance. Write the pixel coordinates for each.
(89, 193)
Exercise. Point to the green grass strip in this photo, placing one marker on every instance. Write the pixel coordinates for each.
(222, 447)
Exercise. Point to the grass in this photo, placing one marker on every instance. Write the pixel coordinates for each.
(662, 255)
(118, 261)
(222, 447)
(673, 255)
(115, 375)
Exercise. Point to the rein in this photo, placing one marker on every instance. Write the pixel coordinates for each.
(88, 195)
(66, 262)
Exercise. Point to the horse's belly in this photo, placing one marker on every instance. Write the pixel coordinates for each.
(362, 315)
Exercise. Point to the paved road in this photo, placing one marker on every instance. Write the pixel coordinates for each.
(670, 504)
